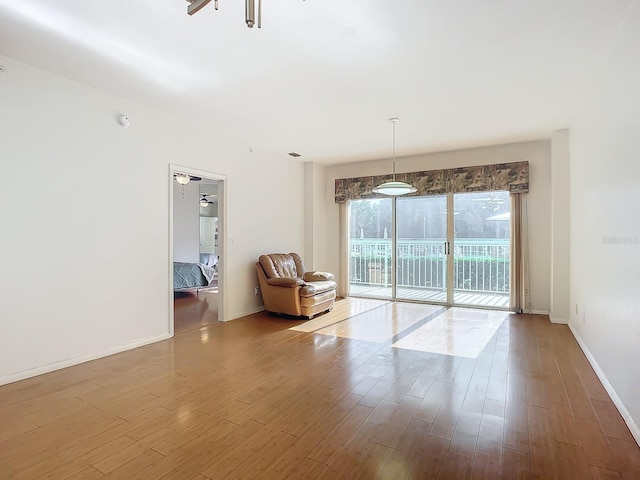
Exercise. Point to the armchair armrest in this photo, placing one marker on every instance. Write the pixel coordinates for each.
(285, 281)
(318, 276)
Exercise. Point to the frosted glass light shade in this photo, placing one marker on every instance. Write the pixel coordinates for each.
(182, 179)
(394, 188)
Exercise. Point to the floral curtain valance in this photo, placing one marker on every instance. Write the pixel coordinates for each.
(513, 177)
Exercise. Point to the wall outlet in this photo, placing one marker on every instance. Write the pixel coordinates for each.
(256, 291)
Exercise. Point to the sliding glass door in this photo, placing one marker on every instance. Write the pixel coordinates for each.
(370, 245)
(421, 248)
(480, 249)
(448, 249)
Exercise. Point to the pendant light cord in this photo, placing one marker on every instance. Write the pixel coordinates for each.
(394, 188)
(393, 121)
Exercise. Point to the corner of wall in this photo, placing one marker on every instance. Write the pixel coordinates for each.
(560, 321)
(626, 416)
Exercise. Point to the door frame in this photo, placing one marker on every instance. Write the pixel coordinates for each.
(222, 229)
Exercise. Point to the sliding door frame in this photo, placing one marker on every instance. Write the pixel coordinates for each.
(448, 249)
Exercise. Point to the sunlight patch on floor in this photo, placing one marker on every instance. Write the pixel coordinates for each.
(463, 332)
(381, 324)
(342, 310)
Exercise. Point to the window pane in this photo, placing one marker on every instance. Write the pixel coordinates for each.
(481, 249)
(421, 261)
(370, 247)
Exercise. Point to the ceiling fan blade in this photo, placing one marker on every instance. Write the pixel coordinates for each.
(196, 5)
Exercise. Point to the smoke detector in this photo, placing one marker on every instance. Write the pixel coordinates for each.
(123, 120)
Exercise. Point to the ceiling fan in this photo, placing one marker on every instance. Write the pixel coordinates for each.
(205, 202)
(183, 178)
(250, 10)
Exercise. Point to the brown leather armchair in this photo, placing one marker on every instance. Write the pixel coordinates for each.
(288, 288)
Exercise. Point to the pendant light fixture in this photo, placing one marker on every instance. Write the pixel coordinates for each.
(394, 188)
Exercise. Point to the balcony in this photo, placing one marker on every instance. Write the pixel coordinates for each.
(480, 270)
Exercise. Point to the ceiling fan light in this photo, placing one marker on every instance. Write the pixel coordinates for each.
(204, 203)
(182, 179)
(394, 188)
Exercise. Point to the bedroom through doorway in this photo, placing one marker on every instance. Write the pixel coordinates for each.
(196, 250)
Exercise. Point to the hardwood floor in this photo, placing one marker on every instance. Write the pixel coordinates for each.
(252, 398)
(195, 310)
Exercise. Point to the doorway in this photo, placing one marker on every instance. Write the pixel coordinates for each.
(196, 248)
(446, 249)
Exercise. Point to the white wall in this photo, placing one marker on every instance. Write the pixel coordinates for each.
(186, 222)
(560, 220)
(315, 250)
(605, 223)
(320, 202)
(536, 153)
(92, 275)
(309, 222)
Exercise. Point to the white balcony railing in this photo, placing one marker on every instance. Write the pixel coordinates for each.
(480, 265)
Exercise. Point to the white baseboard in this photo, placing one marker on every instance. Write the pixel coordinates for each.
(244, 314)
(558, 320)
(33, 372)
(539, 312)
(626, 416)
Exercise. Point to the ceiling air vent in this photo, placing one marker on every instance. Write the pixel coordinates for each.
(294, 154)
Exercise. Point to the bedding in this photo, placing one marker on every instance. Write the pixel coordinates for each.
(209, 265)
(208, 272)
(189, 275)
(209, 259)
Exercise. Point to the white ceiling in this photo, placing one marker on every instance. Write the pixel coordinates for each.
(322, 77)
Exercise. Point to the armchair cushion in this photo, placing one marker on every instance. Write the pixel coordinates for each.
(314, 288)
(318, 276)
(282, 265)
(285, 281)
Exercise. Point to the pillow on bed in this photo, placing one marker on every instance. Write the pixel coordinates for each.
(209, 259)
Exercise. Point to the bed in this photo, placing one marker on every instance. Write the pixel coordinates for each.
(192, 275)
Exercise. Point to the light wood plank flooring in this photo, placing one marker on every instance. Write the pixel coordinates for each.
(252, 398)
(195, 309)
